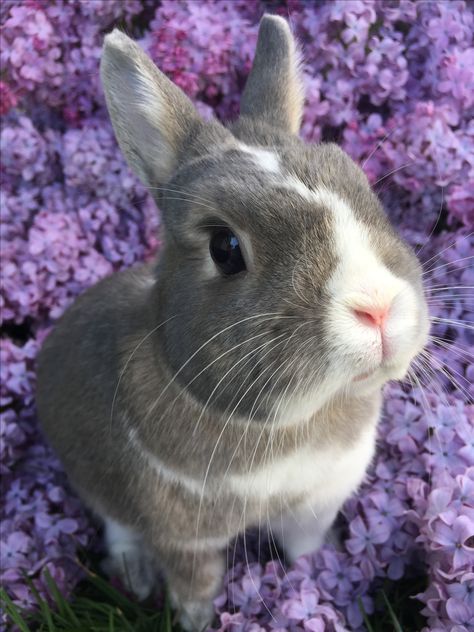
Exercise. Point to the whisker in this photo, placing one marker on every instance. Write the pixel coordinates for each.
(447, 373)
(122, 373)
(380, 143)
(455, 300)
(219, 333)
(251, 353)
(183, 199)
(180, 192)
(438, 254)
(435, 224)
(441, 288)
(393, 171)
(254, 410)
(208, 366)
(451, 347)
(206, 475)
(456, 323)
(446, 265)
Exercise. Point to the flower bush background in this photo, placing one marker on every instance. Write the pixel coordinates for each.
(393, 83)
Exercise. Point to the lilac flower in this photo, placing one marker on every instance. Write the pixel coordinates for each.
(463, 590)
(338, 577)
(392, 81)
(384, 509)
(364, 538)
(246, 595)
(14, 550)
(459, 612)
(456, 538)
(302, 608)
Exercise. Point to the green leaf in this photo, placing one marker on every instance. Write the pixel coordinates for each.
(396, 624)
(12, 611)
(63, 605)
(364, 615)
(111, 621)
(43, 605)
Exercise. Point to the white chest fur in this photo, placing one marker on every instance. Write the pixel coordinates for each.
(325, 476)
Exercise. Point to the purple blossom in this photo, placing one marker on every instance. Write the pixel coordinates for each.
(363, 538)
(457, 537)
(393, 82)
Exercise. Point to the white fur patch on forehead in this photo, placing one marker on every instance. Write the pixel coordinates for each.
(263, 158)
(293, 183)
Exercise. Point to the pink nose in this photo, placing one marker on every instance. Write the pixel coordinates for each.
(372, 316)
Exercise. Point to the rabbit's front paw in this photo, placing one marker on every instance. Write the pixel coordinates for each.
(128, 559)
(194, 615)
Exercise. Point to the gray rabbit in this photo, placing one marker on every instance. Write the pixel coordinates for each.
(236, 381)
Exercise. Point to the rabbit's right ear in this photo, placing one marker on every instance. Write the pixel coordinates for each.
(152, 118)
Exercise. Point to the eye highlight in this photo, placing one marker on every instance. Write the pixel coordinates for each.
(225, 251)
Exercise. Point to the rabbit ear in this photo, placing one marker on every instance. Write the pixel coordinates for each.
(152, 117)
(274, 92)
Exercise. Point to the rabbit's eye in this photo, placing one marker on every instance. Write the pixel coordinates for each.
(225, 251)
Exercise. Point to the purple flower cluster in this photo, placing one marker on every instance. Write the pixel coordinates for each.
(392, 82)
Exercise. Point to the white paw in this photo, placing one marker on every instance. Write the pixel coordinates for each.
(194, 615)
(137, 574)
(128, 560)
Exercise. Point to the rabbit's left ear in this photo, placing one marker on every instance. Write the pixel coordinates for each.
(152, 118)
(274, 92)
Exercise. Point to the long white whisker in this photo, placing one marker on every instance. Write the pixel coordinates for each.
(456, 323)
(208, 341)
(209, 467)
(183, 199)
(122, 373)
(250, 353)
(435, 224)
(446, 265)
(181, 192)
(438, 254)
(393, 171)
(380, 143)
(441, 288)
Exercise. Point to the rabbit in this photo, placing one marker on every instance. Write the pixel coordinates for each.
(236, 381)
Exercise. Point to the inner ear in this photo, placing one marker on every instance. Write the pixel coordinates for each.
(152, 118)
(274, 92)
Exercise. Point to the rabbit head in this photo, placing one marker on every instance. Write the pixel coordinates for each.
(281, 280)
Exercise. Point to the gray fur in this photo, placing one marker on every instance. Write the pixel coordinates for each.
(274, 90)
(106, 372)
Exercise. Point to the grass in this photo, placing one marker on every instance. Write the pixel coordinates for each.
(99, 607)
(395, 610)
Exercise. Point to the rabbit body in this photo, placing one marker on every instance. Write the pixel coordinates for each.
(128, 471)
(236, 381)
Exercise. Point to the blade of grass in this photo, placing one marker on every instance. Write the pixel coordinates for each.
(108, 590)
(167, 614)
(63, 605)
(364, 615)
(43, 605)
(12, 612)
(396, 624)
(125, 621)
(111, 621)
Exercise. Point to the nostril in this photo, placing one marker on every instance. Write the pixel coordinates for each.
(372, 316)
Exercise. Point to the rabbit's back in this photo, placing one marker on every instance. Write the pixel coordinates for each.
(78, 371)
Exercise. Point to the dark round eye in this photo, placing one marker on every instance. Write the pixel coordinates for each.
(225, 251)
